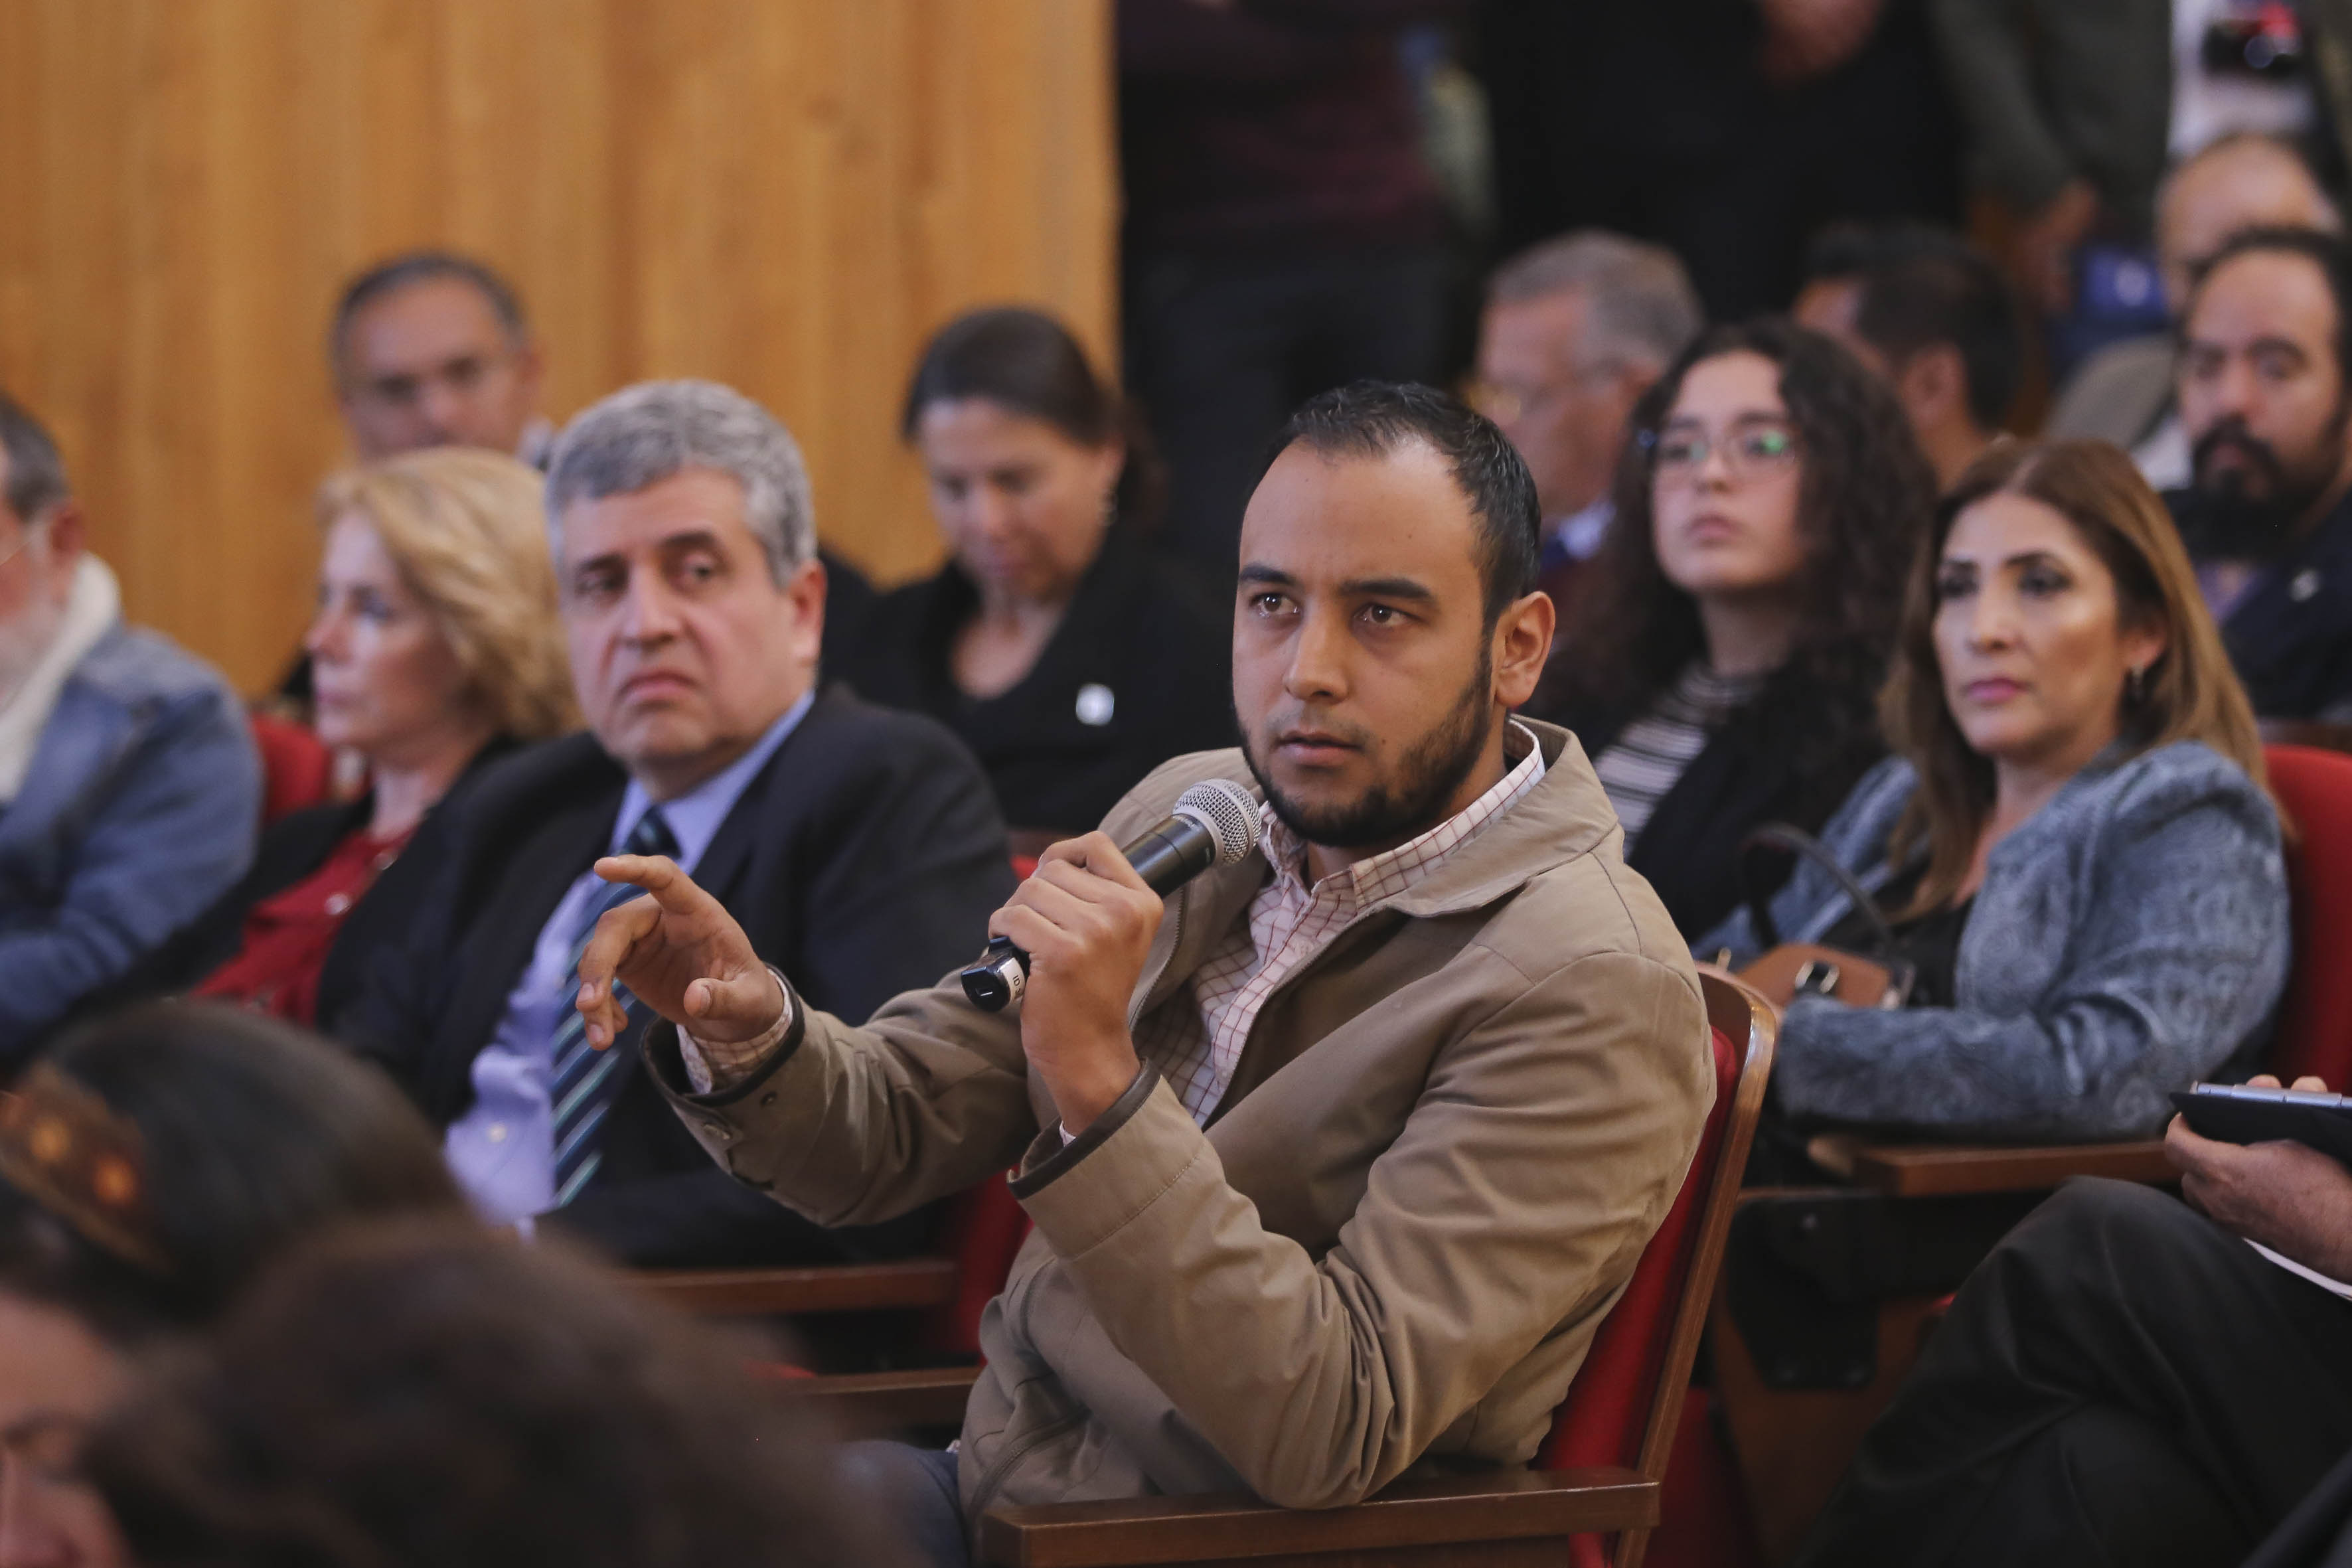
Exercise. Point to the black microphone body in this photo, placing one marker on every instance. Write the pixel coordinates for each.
(1172, 854)
(1166, 856)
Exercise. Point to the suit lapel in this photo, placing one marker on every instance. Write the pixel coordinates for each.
(769, 808)
(765, 817)
(499, 940)
(2295, 603)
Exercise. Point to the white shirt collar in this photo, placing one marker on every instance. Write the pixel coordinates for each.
(93, 606)
(1580, 533)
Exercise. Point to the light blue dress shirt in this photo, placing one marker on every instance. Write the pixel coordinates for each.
(502, 1152)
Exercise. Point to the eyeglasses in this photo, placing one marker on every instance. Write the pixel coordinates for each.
(1505, 403)
(1749, 451)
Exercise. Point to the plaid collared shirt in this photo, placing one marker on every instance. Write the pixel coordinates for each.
(1197, 1048)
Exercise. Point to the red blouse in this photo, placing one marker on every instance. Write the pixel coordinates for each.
(287, 935)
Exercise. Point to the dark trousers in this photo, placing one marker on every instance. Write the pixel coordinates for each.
(2318, 1533)
(2121, 1382)
(913, 1490)
(1222, 352)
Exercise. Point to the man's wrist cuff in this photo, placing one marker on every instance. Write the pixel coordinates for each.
(746, 1065)
(1036, 1173)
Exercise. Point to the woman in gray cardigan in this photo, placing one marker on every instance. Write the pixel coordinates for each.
(2073, 843)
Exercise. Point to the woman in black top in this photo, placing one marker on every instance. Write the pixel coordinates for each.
(1723, 673)
(1070, 659)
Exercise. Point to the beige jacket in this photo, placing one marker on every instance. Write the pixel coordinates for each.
(1446, 1142)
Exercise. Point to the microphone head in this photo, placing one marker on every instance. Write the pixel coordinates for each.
(1229, 812)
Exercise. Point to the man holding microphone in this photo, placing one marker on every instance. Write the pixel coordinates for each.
(1338, 1154)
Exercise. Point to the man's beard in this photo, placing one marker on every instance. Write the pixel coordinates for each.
(2225, 517)
(1414, 801)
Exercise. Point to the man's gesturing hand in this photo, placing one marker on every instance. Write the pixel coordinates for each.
(679, 952)
(1086, 919)
(2293, 1199)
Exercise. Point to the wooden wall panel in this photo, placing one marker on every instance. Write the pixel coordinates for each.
(786, 195)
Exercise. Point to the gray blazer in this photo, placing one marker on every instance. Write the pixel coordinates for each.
(2129, 938)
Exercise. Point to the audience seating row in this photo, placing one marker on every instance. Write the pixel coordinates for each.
(1791, 1437)
(1603, 1471)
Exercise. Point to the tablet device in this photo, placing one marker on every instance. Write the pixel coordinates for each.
(2242, 1113)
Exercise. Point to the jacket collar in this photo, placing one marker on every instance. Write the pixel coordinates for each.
(1566, 814)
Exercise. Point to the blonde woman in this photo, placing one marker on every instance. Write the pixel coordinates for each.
(436, 647)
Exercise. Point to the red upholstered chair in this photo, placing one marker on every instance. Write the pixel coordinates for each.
(2315, 1032)
(1627, 1399)
(296, 769)
(985, 1228)
(1600, 1471)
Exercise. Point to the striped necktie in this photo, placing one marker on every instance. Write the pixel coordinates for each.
(581, 1078)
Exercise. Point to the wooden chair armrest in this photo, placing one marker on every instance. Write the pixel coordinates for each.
(1948, 1170)
(880, 1404)
(2307, 733)
(1506, 1506)
(825, 1287)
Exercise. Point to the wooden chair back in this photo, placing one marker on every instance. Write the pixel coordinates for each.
(1627, 1400)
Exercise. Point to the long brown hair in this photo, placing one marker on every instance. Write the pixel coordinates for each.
(2189, 693)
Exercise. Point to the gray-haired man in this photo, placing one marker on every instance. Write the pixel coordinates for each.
(1576, 330)
(855, 843)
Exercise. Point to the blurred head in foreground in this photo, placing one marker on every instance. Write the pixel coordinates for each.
(418, 1394)
(150, 1165)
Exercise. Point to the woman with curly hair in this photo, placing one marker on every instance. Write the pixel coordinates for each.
(1722, 673)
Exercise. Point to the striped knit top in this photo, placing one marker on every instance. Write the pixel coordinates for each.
(1640, 766)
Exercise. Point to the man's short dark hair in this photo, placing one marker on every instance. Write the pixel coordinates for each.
(2330, 253)
(410, 268)
(1373, 418)
(36, 475)
(1920, 286)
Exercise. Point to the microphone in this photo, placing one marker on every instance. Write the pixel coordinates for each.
(1214, 824)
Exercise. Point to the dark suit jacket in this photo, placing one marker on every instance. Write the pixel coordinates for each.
(2291, 636)
(291, 848)
(863, 860)
(1781, 758)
